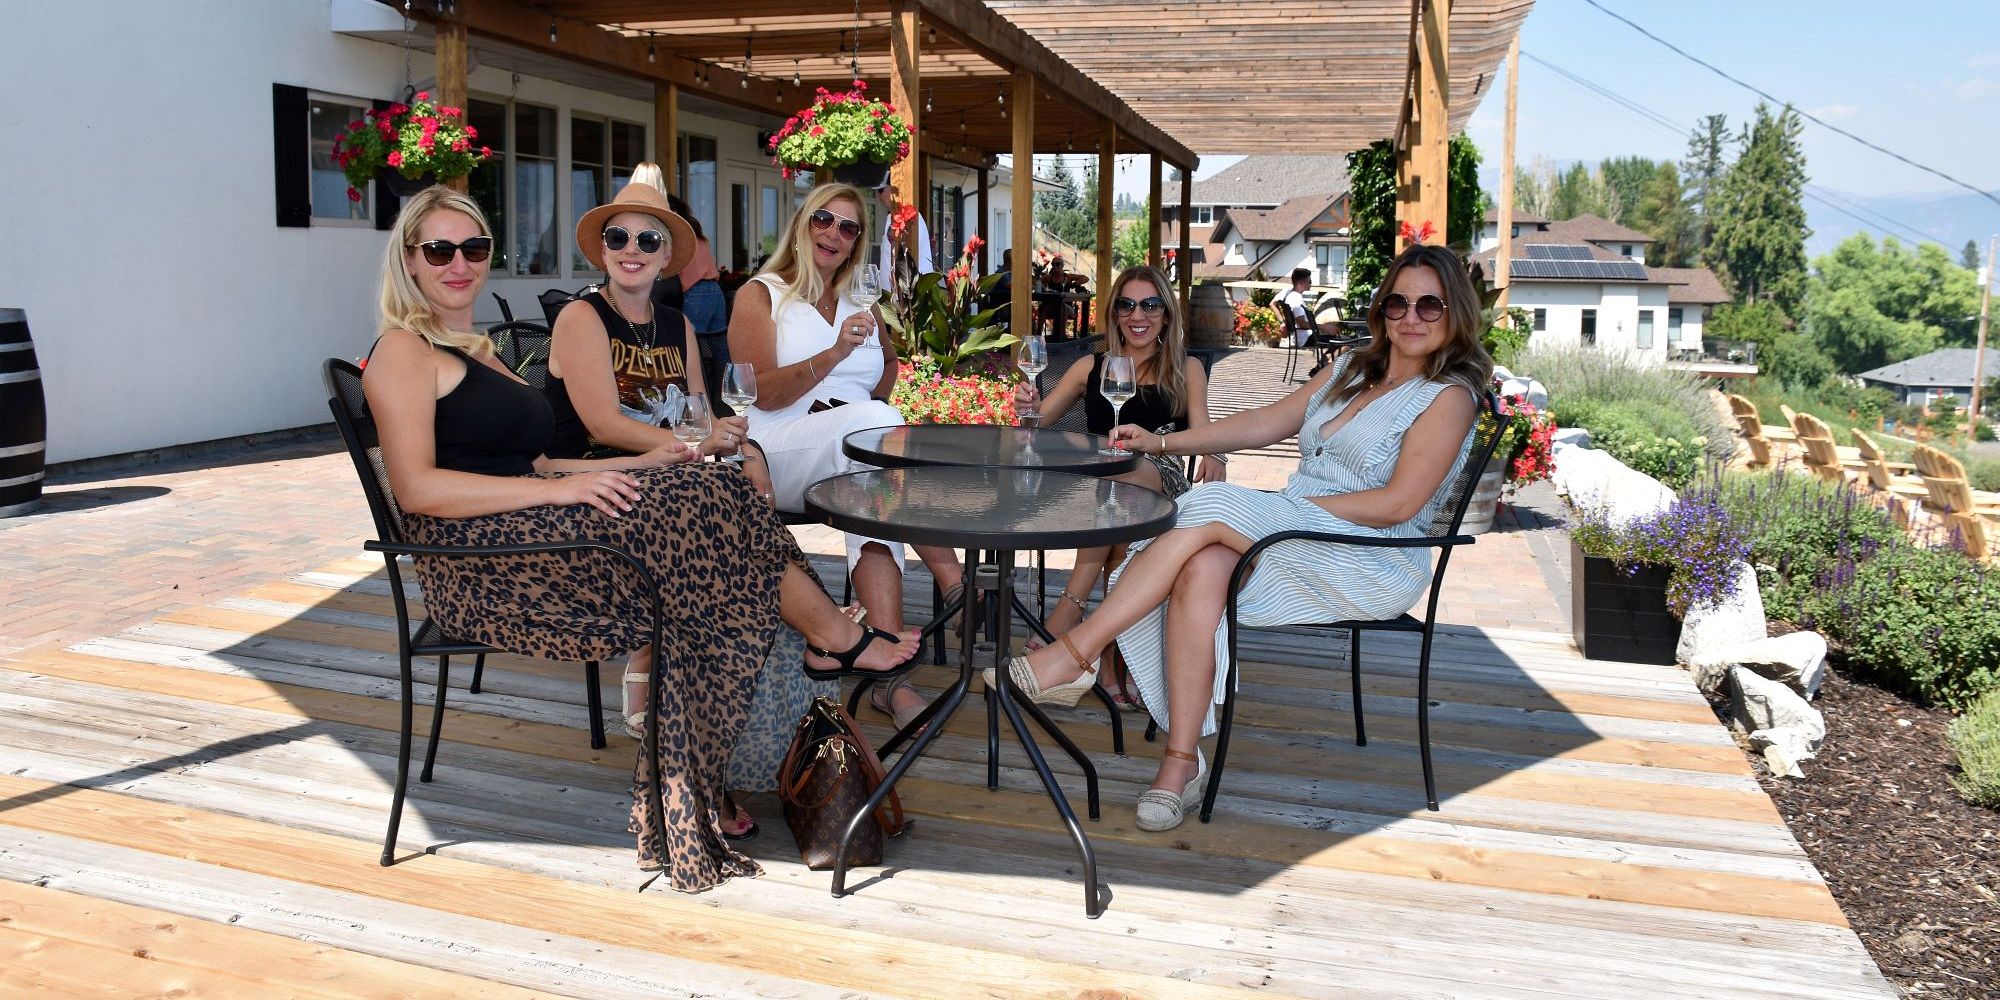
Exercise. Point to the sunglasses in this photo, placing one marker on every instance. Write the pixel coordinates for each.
(615, 238)
(1395, 305)
(1151, 305)
(439, 252)
(822, 219)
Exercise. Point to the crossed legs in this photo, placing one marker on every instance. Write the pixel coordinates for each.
(878, 585)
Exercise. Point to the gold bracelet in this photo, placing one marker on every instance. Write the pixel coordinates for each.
(1163, 443)
(809, 367)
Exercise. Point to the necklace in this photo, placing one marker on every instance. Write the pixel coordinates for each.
(652, 324)
(828, 308)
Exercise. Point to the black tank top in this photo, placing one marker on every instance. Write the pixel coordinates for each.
(1147, 408)
(640, 359)
(490, 424)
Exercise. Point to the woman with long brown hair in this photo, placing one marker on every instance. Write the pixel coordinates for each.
(1381, 432)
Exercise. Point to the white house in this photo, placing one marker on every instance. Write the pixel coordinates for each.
(187, 262)
(1269, 214)
(1585, 281)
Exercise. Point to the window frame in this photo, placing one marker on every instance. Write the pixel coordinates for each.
(361, 105)
(1586, 328)
(1541, 321)
(608, 173)
(1644, 332)
(1201, 215)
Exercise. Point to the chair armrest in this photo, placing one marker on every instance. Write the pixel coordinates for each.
(1417, 542)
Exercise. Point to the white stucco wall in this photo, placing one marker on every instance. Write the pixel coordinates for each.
(1618, 308)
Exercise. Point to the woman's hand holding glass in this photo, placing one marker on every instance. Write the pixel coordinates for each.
(693, 424)
(1027, 401)
(727, 436)
(1136, 438)
(855, 329)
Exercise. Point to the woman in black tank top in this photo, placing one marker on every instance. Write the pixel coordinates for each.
(1144, 322)
(464, 442)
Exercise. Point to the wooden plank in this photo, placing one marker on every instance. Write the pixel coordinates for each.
(94, 932)
(1107, 175)
(906, 93)
(1155, 211)
(667, 132)
(661, 921)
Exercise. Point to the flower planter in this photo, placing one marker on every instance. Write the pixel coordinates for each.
(1619, 617)
(23, 418)
(866, 174)
(1485, 503)
(404, 187)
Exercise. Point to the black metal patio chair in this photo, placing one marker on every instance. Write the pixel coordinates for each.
(1444, 537)
(553, 302)
(506, 311)
(523, 346)
(426, 638)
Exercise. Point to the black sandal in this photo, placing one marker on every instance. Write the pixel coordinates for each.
(729, 805)
(869, 633)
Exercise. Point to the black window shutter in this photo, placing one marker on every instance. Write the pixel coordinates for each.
(387, 205)
(291, 154)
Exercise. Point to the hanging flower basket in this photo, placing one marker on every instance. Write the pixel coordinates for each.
(843, 132)
(411, 146)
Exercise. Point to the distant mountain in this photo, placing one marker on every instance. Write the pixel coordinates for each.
(1951, 219)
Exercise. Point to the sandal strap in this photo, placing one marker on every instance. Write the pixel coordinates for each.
(1177, 755)
(637, 678)
(1086, 666)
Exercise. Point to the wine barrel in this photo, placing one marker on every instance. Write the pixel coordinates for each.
(1485, 503)
(23, 421)
(1214, 317)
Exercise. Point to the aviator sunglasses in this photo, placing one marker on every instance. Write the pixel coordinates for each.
(615, 238)
(1430, 308)
(822, 219)
(1151, 305)
(438, 252)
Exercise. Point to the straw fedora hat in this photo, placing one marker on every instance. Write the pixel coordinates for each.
(644, 199)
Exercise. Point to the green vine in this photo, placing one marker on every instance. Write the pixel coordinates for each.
(1371, 210)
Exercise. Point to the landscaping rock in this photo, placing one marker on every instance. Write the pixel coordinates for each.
(1575, 436)
(1797, 660)
(1781, 725)
(1710, 630)
(1594, 481)
(1512, 385)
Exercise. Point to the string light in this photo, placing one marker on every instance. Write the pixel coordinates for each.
(651, 56)
(552, 29)
(796, 82)
(745, 81)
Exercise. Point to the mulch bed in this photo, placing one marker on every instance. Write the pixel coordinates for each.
(1915, 867)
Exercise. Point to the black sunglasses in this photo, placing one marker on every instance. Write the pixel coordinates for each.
(438, 252)
(1430, 308)
(1151, 305)
(823, 219)
(615, 238)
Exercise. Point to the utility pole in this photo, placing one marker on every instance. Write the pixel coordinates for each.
(1979, 352)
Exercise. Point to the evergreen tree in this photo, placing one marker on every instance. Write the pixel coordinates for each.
(1064, 213)
(1968, 258)
(1626, 179)
(1760, 219)
(1662, 213)
(1465, 207)
(1130, 243)
(1701, 176)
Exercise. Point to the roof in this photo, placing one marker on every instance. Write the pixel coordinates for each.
(1693, 285)
(1595, 229)
(1951, 366)
(1283, 223)
(1536, 264)
(1266, 180)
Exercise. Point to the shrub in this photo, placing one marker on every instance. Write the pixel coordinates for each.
(1582, 382)
(1982, 431)
(1695, 537)
(1663, 444)
(1975, 738)
(1983, 471)
(1919, 620)
(1799, 527)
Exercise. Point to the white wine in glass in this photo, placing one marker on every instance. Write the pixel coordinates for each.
(693, 425)
(1034, 360)
(1117, 385)
(739, 390)
(868, 285)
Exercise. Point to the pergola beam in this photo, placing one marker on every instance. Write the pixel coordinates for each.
(1020, 311)
(1423, 162)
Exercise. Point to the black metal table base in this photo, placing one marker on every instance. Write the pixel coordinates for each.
(994, 587)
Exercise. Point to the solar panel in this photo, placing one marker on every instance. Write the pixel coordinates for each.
(1556, 251)
(1578, 270)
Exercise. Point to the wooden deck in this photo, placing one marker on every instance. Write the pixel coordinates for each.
(196, 804)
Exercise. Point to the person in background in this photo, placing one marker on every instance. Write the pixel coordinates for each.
(885, 196)
(1295, 301)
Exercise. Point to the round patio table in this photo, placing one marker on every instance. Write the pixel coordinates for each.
(1004, 510)
(903, 447)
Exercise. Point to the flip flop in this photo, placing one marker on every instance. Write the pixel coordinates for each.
(737, 812)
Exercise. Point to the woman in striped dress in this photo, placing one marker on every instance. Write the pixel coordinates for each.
(1379, 438)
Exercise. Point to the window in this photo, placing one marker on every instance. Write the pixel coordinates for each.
(601, 157)
(696, 166)
(739, 226)
(1516, 231)
(534, 177)
(1332, 261)
(1674, 323)
(326, 119)
(1645, 329)
(1590, 326)
(1204, 215)
(488, 181)
(1626, 249)
(1541, 319)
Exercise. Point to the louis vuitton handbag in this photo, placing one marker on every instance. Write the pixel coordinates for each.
(828, 774)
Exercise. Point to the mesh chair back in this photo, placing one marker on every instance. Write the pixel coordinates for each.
(524, 348)
(1452, 514)
(553, 302)
(1061, 357)
(506, 311)
(357, 431)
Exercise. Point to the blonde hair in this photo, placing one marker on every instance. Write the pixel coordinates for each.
(1169, 362)
(650, 173)
(795, 269)
(1462, 359)
(402, 303)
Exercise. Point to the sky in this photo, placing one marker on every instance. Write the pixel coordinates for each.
(1922, 79)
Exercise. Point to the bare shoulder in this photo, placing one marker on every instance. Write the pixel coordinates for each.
(1452, 405)
(402, 349)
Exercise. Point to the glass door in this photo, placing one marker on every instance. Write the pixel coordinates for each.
(761, 203)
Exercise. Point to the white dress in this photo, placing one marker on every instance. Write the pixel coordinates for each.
(1298, 582)
(802, 448)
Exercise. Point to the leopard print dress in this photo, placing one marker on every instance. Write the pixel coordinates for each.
(717, 553)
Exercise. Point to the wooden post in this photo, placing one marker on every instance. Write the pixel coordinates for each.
(1503, 261)
(451, 78)
(1020, 311)
(1157, 211)
(1979, 352)
(667, 133)
(985, 211)
(1184, 260)
(1107, 176)
(906, 93)
(1426, 156)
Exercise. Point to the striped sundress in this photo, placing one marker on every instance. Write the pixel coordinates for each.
(1298, 582)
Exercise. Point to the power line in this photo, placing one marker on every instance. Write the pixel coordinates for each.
(1809, 116)
(1813, 191)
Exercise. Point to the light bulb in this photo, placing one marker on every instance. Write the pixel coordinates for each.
(651, 56)
(795, 73)
(552, 31)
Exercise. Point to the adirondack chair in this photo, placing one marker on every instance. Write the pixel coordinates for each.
(1757, 435)
(1885, 476)
(1822, 456)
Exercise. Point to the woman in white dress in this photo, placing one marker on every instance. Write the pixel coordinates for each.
(824, 371)
(1380, 437)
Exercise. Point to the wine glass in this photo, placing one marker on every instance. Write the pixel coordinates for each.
(1033, 361)
(1117, 386)
(868, 285)
(739, 390)
(693, 424)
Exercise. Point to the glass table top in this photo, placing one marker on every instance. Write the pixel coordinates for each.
(986, 445)
(992, 508)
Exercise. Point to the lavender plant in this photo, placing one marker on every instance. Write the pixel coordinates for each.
(1695, 537)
